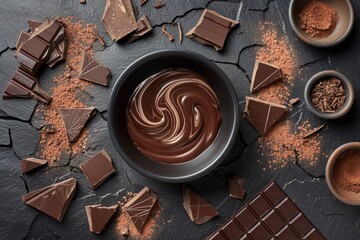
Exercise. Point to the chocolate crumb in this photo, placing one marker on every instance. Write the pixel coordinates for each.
(101, 40)
(294, 101)
(313, 131)
(159, 4)
(82, 1)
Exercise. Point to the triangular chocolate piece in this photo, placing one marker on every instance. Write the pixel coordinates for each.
(198, 209)
(33, 24)
(53, 200)
(263, 75)
(75, 120)
(98, 216)
(262, 114)
(139, 207)
(29, 164)
(144, 27)
(93, 71)
(236, 187)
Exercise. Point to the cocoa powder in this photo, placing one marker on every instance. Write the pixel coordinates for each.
(347, 171)
(284, 143)
(318, 19)
(65, 93)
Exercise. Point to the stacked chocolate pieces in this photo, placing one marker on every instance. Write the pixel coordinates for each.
(46, 43)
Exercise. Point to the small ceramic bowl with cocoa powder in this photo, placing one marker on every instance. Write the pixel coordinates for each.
(343, 173)
(321, 23)
(329, 94)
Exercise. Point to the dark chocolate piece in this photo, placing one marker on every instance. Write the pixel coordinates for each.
(313, 131)
(180, 32)
(118, 19)
(98, 216)
(263, 75)
(37, 49)
(24, 85)
(144, 27)
(262, 114)
(22, 38)
(101, 40)
(93, 71)
(59, 53)
(75, 120)
(212, 29)
(52, 200)
(198, 209)
(236, 187)
(167, 34)
(270, 215)
(140, 206)
(29, 164)
(98, 168)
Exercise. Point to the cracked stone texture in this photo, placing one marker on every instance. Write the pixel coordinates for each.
(306, 185)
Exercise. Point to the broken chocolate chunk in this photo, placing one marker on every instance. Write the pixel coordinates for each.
(118, 19)
(212, 29)
(74, 120)
(159, 4)
(24, 85)
(52, 200)
(262, 114)
(167, 34)
(198, 209)
(33, 52)
(294, 101)
(98, 216)
(33, 24)
(140, 206)
(236, 187)
(98, 168)
(93, 71)
(144, 27)
(263, 75)
(29, 164)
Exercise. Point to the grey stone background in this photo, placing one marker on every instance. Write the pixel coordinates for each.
(19, 137)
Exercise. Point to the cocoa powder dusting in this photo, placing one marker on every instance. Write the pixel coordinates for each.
(284, 143)
(318, 19)
(347, 171)
(64, 93)
(124, 225)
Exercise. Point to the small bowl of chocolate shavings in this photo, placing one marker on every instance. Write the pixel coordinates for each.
(321, 23)
(329, 94)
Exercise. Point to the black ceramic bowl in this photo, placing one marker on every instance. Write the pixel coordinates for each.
(138, 72)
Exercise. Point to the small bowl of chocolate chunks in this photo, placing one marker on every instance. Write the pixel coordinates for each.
(329, 94)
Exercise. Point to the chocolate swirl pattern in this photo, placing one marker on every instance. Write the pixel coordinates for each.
(173, 116)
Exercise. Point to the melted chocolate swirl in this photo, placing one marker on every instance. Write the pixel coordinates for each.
(173, 116)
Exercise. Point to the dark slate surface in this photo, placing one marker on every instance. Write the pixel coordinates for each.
(306, 186)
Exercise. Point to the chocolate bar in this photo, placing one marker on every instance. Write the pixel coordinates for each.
(212, 29)
(270, 215)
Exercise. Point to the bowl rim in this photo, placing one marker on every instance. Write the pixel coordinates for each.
(194, 175)
(348, 88)
(329, 170)
(314, 41)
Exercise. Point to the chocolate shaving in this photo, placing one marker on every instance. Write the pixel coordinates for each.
(168, 35)
(159, 4)
(142, 2)
(313, 131)
(140, 206)
(101, 40)
(180, 32)
(328, 95)
(52, 200)
(198, 209)
(294, 101)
